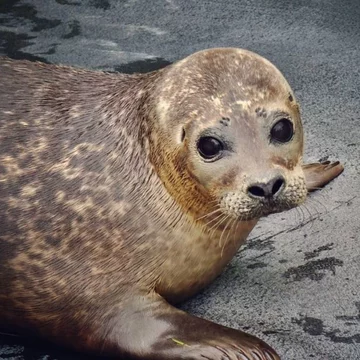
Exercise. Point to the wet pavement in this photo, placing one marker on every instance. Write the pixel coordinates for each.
(296, 283)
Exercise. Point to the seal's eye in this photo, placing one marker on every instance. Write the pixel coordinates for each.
(282, 131)
(209, 147)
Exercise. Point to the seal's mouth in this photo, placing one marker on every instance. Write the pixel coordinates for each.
(264, 208)
(271, 206)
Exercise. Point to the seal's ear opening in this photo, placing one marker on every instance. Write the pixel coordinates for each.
(182, 135)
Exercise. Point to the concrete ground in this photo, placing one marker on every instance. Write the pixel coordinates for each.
(296, 283)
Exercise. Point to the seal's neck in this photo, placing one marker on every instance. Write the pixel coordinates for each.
(131, 132)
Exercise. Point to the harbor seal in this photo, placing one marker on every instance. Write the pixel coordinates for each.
(121, 195)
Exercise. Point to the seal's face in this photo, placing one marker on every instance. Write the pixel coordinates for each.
(233, 123)
(250, 160)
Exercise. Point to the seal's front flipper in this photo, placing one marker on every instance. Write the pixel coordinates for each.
(318, 175)
(149, 328)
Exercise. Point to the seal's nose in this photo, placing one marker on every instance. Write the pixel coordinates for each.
(268, 190)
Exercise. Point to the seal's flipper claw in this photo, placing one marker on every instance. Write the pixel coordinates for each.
(318, 175)
(157, 330)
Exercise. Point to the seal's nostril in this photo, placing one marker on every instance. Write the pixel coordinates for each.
(267, 190)
(256, 190)
(279, 182)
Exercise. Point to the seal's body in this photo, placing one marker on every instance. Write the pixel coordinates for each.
(122, 193)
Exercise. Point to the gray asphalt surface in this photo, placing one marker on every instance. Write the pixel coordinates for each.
(296, 283)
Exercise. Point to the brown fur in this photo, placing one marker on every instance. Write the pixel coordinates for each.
(105, 207)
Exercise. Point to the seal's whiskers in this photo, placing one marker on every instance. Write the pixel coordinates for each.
(209, 214)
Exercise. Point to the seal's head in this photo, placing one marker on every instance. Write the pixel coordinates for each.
(229, 131)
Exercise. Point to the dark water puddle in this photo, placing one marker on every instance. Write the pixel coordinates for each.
(67, 2)
(19, 348)
(12, 43)
(14, 13)
(15, 10)
(142, 66)
(100, 4)
(74, 30)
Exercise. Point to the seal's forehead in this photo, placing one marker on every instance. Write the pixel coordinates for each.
(225, 68)
(220, 78)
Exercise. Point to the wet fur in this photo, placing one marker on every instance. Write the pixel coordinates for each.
(102, 209)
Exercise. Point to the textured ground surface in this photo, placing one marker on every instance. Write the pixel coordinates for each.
(296, 283)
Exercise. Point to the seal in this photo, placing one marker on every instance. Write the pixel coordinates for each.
(121, 195)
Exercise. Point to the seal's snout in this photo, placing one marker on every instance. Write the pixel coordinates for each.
(268, 190)
(276, 192)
